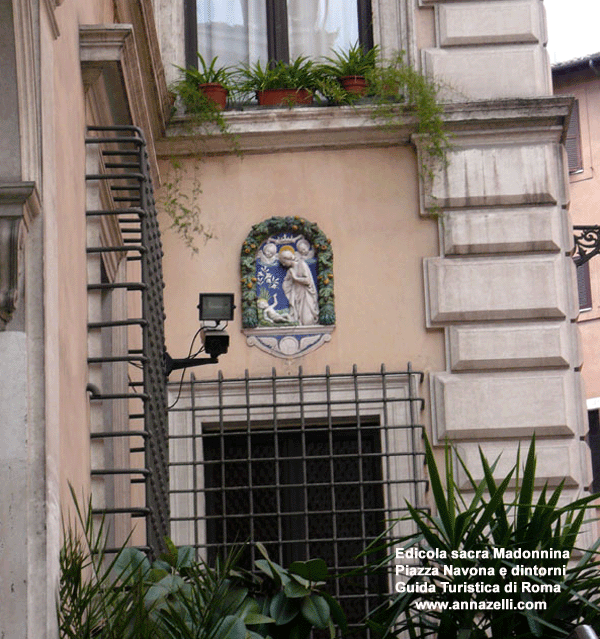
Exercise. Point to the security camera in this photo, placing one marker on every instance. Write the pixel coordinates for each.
(215, 341)
(216, 308)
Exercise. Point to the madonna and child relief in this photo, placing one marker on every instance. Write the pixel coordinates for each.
(286, 280)
(287, 287)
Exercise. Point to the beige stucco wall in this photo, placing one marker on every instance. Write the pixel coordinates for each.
(585, 206)
(65, 300)
(365, 201)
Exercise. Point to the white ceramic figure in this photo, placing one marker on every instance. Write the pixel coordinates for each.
(269, 313)
(299, 287)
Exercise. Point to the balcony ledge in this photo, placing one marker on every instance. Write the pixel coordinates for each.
(271, 130)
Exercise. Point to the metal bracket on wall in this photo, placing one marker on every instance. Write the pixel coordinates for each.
(587, 243)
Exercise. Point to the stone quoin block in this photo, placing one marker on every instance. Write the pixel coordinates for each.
(490, 23)
(556, 460)
(514, 345)
(514, 174)
(504, 230)
(485, 73)
(502, 288)
(505, 405)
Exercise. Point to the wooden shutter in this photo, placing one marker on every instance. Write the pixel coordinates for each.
(573, 142)
(584, 287)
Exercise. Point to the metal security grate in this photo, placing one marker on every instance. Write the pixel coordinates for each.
(309, 465)
(125, 174)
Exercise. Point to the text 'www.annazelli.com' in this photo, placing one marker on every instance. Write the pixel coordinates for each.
(503, 604)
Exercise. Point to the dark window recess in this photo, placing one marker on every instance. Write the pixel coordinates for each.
(594, 443)
(584, 288)
(126, 173)
(573, 141)
(316, 492)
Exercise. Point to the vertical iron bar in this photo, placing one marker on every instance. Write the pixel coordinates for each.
(303, 463)
(360, 461)
(330, 456)
(222, 460)
(250, 458)
(385, 427)
(413, 427)
(196, 467)
(277, 456)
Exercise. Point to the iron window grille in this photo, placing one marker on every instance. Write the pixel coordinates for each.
(124, 175)
(309, 465)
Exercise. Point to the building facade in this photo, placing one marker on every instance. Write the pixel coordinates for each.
(578, 78)
(469, 278)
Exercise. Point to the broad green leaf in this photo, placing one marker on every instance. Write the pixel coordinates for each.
(282, 609)
(313, 569)
(295, 590)
(154, 575)
(337, 613)
(233, 598)
(171, 555)
(160, 564)
(272, 569)
(315, 609)
(255, 618)
(232, 627)
(131, 560)
(185, 556)
(169, 585)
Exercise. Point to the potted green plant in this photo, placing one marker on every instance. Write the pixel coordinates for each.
(352, 67)
(481, 536)
(281, 83)
(211, 81)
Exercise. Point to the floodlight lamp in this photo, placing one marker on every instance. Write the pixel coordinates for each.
(216, 307)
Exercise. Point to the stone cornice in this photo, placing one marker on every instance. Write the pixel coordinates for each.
(308, 128)
(141, 15)
(19, 204)
(109, 55)
(527, 115)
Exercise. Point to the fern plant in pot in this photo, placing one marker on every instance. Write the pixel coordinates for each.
(351, 68)
(280, 83)
(209, 80)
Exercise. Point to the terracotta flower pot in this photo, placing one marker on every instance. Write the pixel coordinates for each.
(356, 84)
(215, 93)
(284, 97)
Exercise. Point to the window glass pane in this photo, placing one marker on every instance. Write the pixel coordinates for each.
(233, 30)
(317, 27)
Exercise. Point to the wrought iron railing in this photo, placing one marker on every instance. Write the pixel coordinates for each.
(126, 173)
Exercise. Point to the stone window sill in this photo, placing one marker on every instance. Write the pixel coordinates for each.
(268, 130)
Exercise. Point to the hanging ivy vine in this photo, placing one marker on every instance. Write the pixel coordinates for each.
(322, 245)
